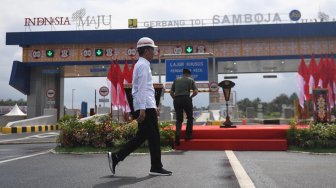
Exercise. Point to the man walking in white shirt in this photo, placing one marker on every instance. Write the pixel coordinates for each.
(146, 112)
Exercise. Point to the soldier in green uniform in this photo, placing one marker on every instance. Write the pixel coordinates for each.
(180, 92)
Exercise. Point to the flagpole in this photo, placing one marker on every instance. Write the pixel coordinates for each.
(112, 87)
(95, 101)
(111, 108)
(118, 111)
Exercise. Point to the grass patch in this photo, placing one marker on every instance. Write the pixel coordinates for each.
(313, 150)
(86, 149)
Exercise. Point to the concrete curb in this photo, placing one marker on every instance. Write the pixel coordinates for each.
(311, 153)
(29, 129)
(104, 152)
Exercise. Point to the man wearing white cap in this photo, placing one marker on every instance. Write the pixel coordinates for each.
(145, 111)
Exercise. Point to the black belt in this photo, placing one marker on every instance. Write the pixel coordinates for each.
(178, 96)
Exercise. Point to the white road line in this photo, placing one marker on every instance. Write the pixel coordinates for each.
(243, 179)
(46, 135)
(43, 135)
(17, 139)
(23, 157)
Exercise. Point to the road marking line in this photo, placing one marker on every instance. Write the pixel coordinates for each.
(23, 157)
(17, 139)
(243, 179)
(43, 135)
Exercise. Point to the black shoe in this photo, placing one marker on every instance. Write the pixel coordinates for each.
(161, 172)
(113, 161)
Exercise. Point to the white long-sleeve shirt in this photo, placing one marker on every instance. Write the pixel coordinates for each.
(142, 86)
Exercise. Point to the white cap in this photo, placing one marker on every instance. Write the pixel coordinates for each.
(145, 41)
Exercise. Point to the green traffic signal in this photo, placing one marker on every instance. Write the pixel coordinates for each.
(189, 49)
(50, 53)
(99, 52)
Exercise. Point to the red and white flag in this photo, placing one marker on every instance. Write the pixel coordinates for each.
(122, 99)
(303, 82)
(322, 67)
(333, 75)
(330, 80)
(127, 74)
(112, 79)
(314, 73)
(334, 68)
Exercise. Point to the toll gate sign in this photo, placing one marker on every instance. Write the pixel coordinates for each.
(198, 67)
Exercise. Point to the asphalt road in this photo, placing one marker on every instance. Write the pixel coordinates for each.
(31, 165)
(190, 169)
(286, 169)
(29, 138)
(8, 152)
(13, 146)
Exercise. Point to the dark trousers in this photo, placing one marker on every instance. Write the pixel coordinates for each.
(183, 103)
(147, 130)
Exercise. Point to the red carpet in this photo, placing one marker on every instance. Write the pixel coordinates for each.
(243, 138)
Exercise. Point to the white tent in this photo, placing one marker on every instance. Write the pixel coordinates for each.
(15, 112)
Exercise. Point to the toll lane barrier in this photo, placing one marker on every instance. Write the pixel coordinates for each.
(200, 90)
(29, 129)
(214, 122)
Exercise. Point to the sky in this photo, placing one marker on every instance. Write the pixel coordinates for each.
(13, 12)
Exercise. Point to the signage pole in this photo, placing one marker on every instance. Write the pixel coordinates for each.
(72, 98)
(103, 91)
(215, 79)
(51, 97)
(159, 71)
(95, 101)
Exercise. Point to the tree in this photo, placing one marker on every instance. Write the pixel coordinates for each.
(255, 102)
(275, 106)
(10, 102)
(243, 104)
(293, 97)
(279, 101)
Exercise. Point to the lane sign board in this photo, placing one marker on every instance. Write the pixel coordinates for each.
(104, 100)
(198, 68)
(51, 102)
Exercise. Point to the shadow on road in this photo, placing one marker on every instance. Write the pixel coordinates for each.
(118, 181)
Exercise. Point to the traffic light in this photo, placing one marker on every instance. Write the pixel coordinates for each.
(189, 49)
(50, 53)
(99, 52)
